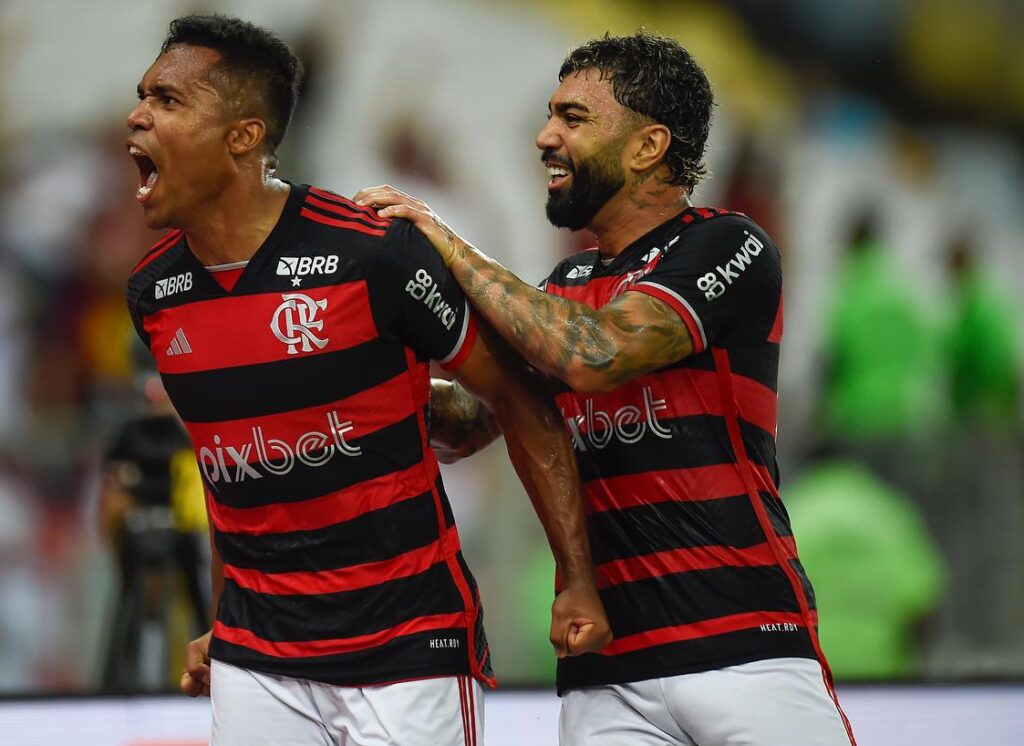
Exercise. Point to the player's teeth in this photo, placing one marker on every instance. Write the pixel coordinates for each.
(134, 151)
(143, 191)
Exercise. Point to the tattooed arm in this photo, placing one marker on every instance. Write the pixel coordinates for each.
(590, 349)
(460, 425)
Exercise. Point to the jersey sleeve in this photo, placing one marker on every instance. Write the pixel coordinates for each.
(724, 279)
(420, 301)
(133, 299)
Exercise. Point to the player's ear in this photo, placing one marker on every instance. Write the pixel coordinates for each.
(649, 146)
(246, 135)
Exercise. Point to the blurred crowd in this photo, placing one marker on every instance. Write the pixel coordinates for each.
(879, 142)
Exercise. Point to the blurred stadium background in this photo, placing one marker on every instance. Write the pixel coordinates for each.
(879, 141)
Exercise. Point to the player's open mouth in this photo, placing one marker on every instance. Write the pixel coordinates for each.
(558, 174)
(148, 173)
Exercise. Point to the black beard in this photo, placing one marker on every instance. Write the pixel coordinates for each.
(595, 181)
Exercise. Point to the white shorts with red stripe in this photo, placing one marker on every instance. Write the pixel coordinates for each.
(776, 702)
(259, 709)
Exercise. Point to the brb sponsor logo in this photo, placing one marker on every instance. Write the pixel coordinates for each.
(714, 284)
(300, 266)
(595, 428)
(171, 285)
(232, 463)
(295, 323)
(424, 289)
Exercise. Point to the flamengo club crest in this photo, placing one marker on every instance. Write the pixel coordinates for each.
(296, 319)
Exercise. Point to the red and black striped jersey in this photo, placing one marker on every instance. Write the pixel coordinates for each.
(694, 555)
(305, 390)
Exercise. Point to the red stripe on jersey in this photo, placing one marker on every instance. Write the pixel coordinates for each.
(276, 326)
(676, 485)
(346, 212)
(339, 223)
(685, 393)
(344, 201)
(707, 628)
(465, 346)
(595, 293)
(159, 248)
(674, 561)
(705, 212)
(341, 579)
(776, 333)
(308, 431)
(326, 510)
(245, 638)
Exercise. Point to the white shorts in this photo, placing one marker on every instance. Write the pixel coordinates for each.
(776, 702)
(259, 709)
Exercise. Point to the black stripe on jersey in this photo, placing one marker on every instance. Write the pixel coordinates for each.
(701, 361)
(446, 508)
(283, 385)
(688, 656)
(385, 451)
(355, 217)
(338, 615)
(699, 440)
(777, 514)
(760, 447)
(805, 582)
(377, 535)
(698, 595)
(663, 526)
(759, 362)
(403, 658)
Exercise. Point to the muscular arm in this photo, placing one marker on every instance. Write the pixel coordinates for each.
(459, 423)
(539, 448)
(590, 349)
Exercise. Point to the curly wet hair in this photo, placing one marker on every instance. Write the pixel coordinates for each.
(656, 78)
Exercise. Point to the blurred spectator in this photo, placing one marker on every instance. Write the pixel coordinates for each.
(876, 572)
(982, 490)
(153, 514)
(984, 347)
(883, 395)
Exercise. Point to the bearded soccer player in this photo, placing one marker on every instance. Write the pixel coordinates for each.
(661, 345)
(293, 331)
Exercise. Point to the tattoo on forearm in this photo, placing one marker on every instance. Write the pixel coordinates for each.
(556, 335)
(458, 420)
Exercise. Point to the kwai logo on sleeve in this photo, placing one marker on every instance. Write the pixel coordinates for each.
(423, 288)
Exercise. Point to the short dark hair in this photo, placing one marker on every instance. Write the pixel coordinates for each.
(656, 78)
(251, 56)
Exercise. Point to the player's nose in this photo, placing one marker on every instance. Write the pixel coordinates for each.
(140, 117)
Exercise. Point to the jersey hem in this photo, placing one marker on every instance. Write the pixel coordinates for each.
(369, 681)
(588, 682)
